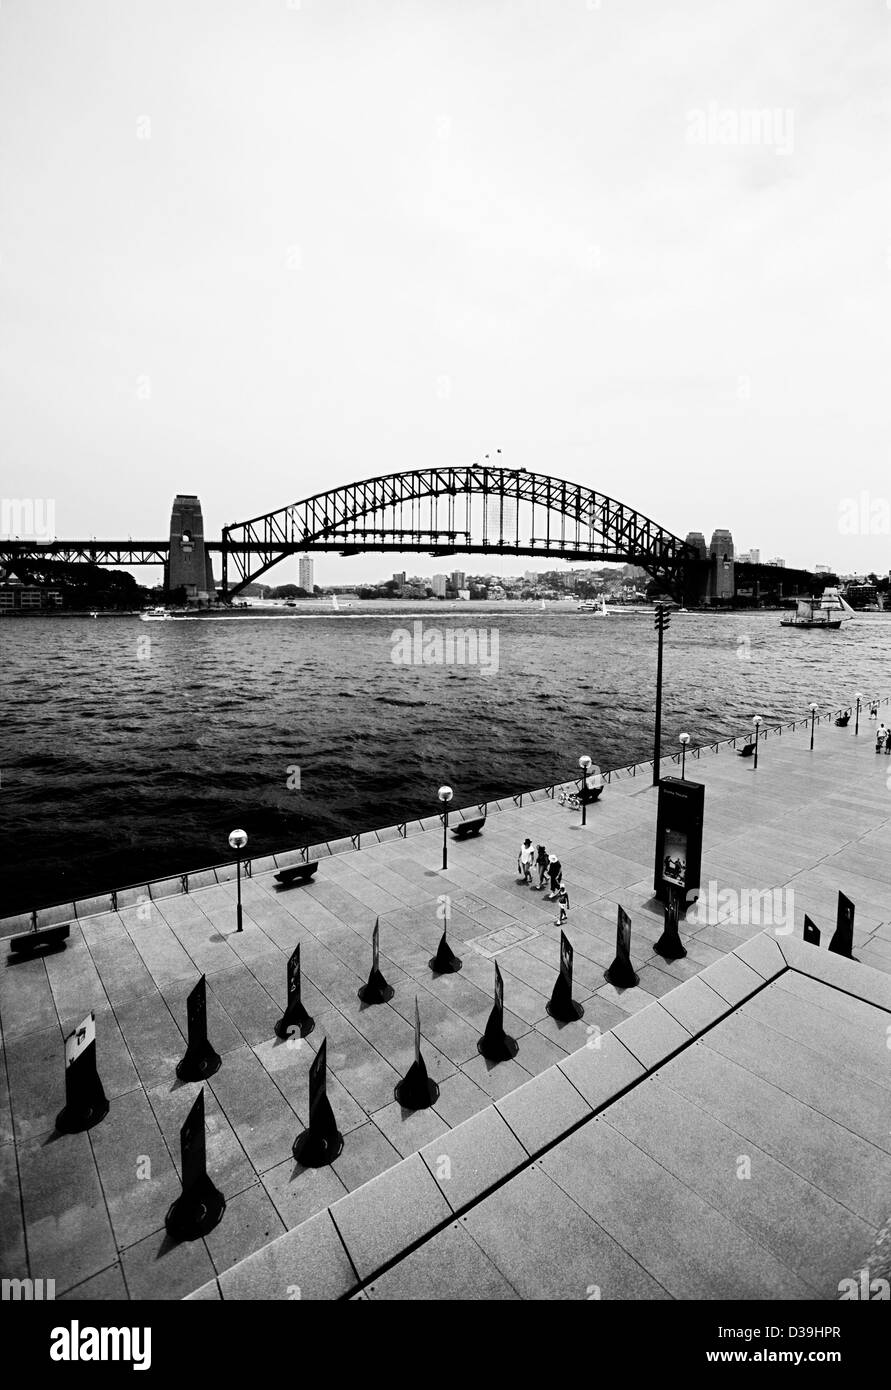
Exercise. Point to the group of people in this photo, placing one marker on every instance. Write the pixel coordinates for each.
(535, 858)
(883, 739)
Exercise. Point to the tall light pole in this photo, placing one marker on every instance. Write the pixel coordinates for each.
(238, 840)
(813, 717)
(584, 764)
(757, 722)
(683, 740)
(858, 697)
(662, 620)
(445, 796)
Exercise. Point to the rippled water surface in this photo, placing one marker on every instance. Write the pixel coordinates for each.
(123, 761)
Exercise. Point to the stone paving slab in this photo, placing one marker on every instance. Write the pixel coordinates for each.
(811, 824)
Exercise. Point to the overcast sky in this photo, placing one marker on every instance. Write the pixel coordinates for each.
(257, 248)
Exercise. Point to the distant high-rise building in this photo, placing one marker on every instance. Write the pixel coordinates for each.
(399, 578)
(823, 569)
(305, 573)
(439, 584)
(697, 540)
(780, 564)
(749, 557)
(457, 579)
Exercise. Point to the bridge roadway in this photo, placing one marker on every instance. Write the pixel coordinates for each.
(88, 1209)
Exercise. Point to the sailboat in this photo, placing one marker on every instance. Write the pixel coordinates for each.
(827, 612)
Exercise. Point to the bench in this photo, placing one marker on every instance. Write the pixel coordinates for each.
(747, 751)
(465, 828)
(31, 941)
(297, 873)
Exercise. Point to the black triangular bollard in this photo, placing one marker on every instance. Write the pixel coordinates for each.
(85, 1100)
(295, 1019)
(445, 962)
(376, 990)
(669, 946)
(622, 973)
(842, 942)
(416, 1091)
(322, 1142)
(496, 1045)
(811, 932)
(200, 1206)
(561, 1005)
(200, 1060)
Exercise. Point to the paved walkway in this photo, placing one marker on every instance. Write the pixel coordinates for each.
(88, 1210)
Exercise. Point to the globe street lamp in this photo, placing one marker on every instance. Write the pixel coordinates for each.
(813, 717)
(445, 796)
(584, 764)
(237, 840)
(757, 722)
(684, 740)
(858, 697)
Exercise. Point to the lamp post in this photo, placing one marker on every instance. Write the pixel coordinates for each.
(445, 796)
(683, 740)
(813, 717)
(238, 840)
(858, 697)
(584, 764)
(757, 722)
(661, 622)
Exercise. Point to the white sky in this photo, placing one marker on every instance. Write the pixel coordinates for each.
(362, 237)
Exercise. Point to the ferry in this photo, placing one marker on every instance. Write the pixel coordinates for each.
(827, 612)
(156, 615)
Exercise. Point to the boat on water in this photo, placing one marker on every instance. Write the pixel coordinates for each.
(156, 615)
(827, 612)
(599, 610)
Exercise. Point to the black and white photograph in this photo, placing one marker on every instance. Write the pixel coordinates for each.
(445, 510)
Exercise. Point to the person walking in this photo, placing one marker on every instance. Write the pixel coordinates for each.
(563, 903)
(555, 873)
(881, 736)
(525, 861)
(541, 863)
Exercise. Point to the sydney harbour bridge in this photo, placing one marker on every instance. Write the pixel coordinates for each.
(475, 510)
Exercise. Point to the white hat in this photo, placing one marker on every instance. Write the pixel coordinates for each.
(552, 858)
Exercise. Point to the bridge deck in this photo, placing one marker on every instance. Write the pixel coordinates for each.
(88, 1210)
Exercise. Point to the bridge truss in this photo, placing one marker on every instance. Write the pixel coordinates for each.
(446, 511)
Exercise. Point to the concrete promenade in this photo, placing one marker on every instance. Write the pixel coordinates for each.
(88, 1210)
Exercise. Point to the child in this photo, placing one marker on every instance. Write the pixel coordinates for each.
(524, 862)
(563, 903)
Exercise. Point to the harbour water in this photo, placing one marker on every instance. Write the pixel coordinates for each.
(131, 749)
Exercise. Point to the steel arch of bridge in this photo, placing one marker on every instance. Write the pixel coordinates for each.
(431, 509)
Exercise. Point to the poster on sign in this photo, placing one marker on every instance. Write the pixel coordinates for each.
(294, 975)
(77, 1042)
(317, 1079)
(566, 960)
